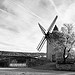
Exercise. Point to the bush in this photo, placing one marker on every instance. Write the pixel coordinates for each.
(59, 61)
(63, 66)
(67, 61)
(37, 62)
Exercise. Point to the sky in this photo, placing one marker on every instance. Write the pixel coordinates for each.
(19, 30)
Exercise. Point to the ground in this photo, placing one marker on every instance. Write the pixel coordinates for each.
(47, 69)
(30, 71)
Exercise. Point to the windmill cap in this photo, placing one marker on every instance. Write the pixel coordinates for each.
(55, 28)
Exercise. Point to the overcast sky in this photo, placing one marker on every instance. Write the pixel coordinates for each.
(19, 30)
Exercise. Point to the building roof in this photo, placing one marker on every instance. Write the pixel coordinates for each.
(55, 28)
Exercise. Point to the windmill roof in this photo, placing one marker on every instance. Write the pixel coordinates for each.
(55, 28)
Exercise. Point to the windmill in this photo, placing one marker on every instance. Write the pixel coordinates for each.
(46, 35)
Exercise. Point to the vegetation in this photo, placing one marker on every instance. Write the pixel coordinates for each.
(7, 53)
(66, 43)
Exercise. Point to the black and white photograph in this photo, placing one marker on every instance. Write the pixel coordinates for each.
(37, 37)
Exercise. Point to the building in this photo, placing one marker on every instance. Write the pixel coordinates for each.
(52, 43)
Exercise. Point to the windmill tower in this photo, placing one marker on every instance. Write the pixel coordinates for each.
(48, 37)
(51, 44)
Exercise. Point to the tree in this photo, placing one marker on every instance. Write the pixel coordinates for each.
(68, 41)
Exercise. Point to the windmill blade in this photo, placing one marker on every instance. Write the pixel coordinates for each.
(52, 24)
(42, 42)
(42, 29)
(42, 45)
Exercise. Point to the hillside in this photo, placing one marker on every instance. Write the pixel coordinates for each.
(6, 53)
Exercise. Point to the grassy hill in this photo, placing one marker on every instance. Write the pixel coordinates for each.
(7, 53)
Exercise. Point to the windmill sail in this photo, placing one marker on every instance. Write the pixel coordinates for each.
(40, 45)
(42, 29)
(52, 24)
(42, 42)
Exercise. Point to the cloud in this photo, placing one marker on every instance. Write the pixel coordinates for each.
(70, 14)
(65, 10)
(13, 29)
(22, 17)
(6, 44)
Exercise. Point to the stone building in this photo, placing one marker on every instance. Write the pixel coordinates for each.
(54, 37)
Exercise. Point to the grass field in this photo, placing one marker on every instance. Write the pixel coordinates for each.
(30, 71)
(25, 73)
(48, 69)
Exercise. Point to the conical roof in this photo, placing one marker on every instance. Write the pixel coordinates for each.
(55, 28)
